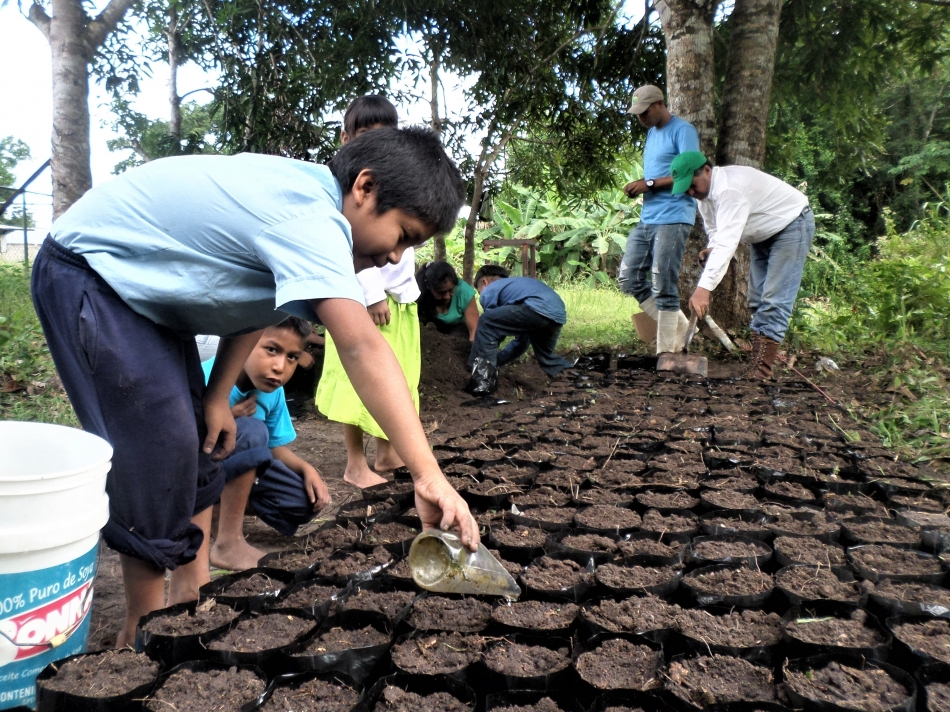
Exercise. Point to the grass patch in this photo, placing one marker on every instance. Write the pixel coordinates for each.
(596, 317)
(29, 387)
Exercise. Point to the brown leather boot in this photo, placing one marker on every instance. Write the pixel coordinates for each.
(764, 353)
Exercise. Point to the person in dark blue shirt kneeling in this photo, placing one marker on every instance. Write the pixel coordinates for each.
(522, 307)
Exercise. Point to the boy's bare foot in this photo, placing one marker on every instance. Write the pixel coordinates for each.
(234, 556)
(361, 477)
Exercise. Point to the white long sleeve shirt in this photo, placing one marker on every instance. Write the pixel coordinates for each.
(743, 205)
(398, 280)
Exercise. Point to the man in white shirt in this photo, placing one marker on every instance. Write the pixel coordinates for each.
(742, 204)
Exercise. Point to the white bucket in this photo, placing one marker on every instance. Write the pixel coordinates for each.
(53, 503)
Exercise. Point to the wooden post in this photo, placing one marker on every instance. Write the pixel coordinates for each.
(529, 262)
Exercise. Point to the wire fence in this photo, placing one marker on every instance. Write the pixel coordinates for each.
(14, 252)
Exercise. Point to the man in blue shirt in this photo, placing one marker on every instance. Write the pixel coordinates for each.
(522, 307)
(655, 247)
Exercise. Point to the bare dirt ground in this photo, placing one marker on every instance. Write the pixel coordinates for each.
(446, 411)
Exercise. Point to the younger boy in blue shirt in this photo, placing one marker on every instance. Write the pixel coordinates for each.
(228, 245)
(284, 490)
(522, 307)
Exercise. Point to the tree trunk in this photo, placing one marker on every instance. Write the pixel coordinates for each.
(74, 38)
(482, 167)
(750, 65)
(435, 123)
(174, 100)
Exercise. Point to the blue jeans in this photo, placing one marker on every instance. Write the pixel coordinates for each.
(654, 251)
(528, 327)
(775, 274)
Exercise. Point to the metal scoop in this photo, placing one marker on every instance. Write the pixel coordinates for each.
(438, 562)
(684, 362)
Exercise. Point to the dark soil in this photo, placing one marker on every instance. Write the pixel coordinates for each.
(603, 517)
(635, 615)
(514, 570)
(814, 526)
(265, 632)
(632, 577)
(819, 582)
(518, 660)
(490, 488)
(334, 537)
(930, 637)
(253, 586)
(884, 560)
(667, 500)
(719, 679)
(389, 604)
(545, 704)
(437, 654)
(648, 547)
(723, 550)
(535, 615)
(735, 524)
(739, 581)
(395, 699)
(590, 542)
(109, 674)
(506, 473)
(805, 550)
(619, 664)
(790, 489)
(312, 696)
(205, 618)
(918, 503)
(307, 597)
(747, 629)
(653, 521)
(549, 574)
(836, 632)
(850, 502)
(870, 690)
(881, 533)
(337, 639)
(938, 697)
(913, 592)
(389, 533)
(729, 499)
(731, 483)
(519, 536)
(354, 562)
(295, 559)
(551, 515)
(400, 570)
(209, 691)
(541, 497)
(466, 615)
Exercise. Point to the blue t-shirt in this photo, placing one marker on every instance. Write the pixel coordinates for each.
(217, 244)
(533, 293)
(271, 408)
(662, 146)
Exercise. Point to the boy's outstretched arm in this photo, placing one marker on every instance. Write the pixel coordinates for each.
(316, 489)
(228, 364)
(380, 384)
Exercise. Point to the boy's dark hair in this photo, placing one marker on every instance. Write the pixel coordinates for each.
(489, 271)
(430, 276)
(411, 170)
(300, 327)
(369, 111)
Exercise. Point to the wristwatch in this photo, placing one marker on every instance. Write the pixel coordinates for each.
(650, 184)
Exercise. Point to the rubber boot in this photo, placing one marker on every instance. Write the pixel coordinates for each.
(644, 321)
(667, 331)
(764, 353)
(682, 326)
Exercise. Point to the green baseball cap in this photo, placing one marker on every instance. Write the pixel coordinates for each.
(683, 168)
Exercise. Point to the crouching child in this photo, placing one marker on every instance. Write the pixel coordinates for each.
(284, 490)
(522, 307)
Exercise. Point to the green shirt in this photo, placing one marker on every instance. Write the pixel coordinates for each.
(460, 299)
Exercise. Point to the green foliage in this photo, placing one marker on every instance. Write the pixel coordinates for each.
(578, 240)
(27, 375)
(598, 317)
(149, 139)
(12, 152)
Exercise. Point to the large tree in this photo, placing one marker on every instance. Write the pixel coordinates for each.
(74, 38)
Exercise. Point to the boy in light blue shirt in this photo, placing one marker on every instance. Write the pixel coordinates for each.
(228, 245)
(284, 490)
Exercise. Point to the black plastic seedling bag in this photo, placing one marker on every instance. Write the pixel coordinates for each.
(484, 378)
(57, 701)
(172, 650)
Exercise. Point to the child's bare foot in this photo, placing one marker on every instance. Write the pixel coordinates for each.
(235, 556)
(387, 459)
(361, 477)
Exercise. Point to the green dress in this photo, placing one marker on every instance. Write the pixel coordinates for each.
(337, 399)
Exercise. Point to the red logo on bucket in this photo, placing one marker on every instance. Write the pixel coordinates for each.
(45, 627)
